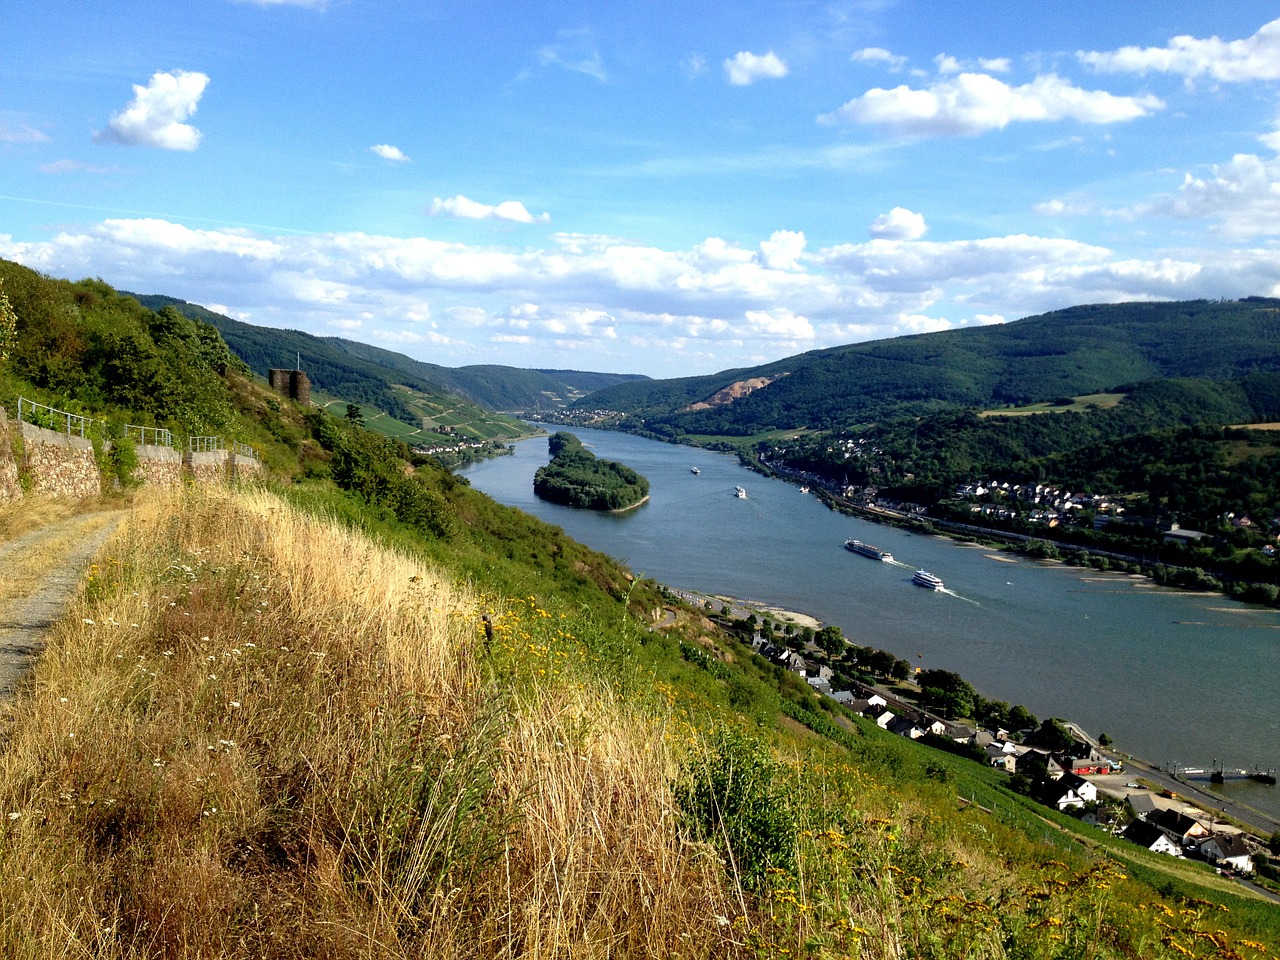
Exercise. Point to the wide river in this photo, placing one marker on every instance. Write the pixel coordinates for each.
(1174, 678)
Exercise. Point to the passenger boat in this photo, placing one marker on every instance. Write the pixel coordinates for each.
(740, 493)
(867, 550)
(923, 578)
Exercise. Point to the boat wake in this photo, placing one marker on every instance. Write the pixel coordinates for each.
(952, 593)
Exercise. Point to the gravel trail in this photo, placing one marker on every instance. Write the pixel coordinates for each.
(39, 574)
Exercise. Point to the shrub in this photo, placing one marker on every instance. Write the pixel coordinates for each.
(731, 799)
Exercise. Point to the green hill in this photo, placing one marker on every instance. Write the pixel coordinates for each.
(1081, 350)
(360, 373)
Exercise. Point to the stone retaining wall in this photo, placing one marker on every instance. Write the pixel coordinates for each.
(211, 467)
(158, 466)
(60, 464)
(245, 468)
(10, 487)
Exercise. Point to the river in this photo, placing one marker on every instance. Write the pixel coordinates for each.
(1172, 677)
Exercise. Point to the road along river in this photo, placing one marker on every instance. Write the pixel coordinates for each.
(1176, 678)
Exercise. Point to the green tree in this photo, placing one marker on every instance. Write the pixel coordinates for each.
(1020, 718)
(8, 325)
(354, 414)
(1054, 736)
(830, 638)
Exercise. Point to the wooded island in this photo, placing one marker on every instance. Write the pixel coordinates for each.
(576, 478)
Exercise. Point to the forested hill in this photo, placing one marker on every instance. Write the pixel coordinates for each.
(491, 385)
(360, 373)
(1081, 350)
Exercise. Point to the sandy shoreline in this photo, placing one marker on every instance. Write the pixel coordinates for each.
(738, 607)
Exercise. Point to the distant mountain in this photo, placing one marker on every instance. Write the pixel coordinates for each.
(490, 385)
(1070, 352)
(364, 374)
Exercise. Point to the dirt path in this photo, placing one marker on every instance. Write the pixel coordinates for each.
(39, 573)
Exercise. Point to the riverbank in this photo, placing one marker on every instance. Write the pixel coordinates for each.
(740, 609)
(1135, 777)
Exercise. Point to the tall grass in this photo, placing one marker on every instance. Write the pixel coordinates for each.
(262, 734)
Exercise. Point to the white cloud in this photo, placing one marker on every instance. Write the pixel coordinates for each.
(18, 132)
(576, 52)
(974, 103)
(899, 224)
(73, 166)
(744, 68)
(1229, 61)
(387, 152)
(782, 250)
(779, 323)
(878, 55)
(154, 117)
(461, 207)
(947, 64)
(920, 266)
(581, 323)
(626, 306)
(1241, 198)
(919, 323)
(694, 65)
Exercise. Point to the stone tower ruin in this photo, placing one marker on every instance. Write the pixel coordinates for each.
(293, 384)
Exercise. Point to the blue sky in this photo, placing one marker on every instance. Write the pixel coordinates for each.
(659, 188)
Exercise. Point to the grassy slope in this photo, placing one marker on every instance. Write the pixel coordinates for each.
(267, 734)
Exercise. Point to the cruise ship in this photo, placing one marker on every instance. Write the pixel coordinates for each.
(923, 578)
(867, 550)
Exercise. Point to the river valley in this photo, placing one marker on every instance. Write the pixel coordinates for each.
(1174, 678)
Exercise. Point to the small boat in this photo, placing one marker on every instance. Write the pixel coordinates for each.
(740, 493)
(804, 489)
(867, 550)
(695, 471)
(923, 578)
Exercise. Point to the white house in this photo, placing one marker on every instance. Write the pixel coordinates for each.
(1153, 838)
(1228, 850)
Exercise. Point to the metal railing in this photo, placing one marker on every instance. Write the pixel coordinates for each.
(148, 436)
(204, 444)
(72, 424)
(38, 415)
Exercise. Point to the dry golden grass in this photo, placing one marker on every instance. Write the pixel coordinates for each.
(34, 511)
(263, 735)
(43, 545)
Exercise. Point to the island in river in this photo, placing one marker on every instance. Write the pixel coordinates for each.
(575, 477)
